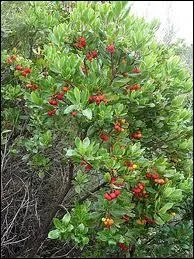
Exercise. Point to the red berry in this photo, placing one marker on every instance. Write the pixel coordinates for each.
(13, 57)
(113, 179)
(66, 89)
(60, 96)
(137, 87)
(97, 100)
(88, 167)
(104, 137)
(126, 218)
(24, 74)
(53, 102)
(89, 56)
(19, 68)
(81, 42)
(107, 197)
(83, 163)
(149, 175)
(28, 86)
(74, 114)
(9, 61)
(110, 48)
(117, 192)
(91, 99)
(117, 127)
(134, 87)
(28, 70)
(94, 53)
(136, 70)
(155, 176)
(51, 113)
(136, 135)
(113, 195)
(34, 87)
(140, 187)
(138, 190)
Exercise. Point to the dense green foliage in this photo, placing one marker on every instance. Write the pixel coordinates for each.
(141, 124)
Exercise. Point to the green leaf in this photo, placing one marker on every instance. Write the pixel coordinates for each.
(112, 242)
(81, 227)
(35, 99)
(159, 221)
(107, 177)
(70, 96)
(85, 240)
(84, 97)
(57, 223)
(66, 218)
(167, 192)
(87, 113)
(86, 142)
(77, 142)
(70, 228)
(71, 152)
(54, 234)
(77, 189)
(151, 105)
(70, 109)
(166, 207)
(77, 94)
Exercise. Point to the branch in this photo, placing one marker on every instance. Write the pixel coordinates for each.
(89, 193)
(94, 190)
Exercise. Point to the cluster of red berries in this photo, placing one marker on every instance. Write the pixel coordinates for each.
(112, 196)
(88, 167)
(139, 191)
(11, 59)
(91, 55)
(32, 86)
(24, 71)
(123, 247)
(134, 87)
(118, 127)
(80, 43)
(136, 135)
(110, 48)
(98, 99)
(58, 96)
(104, 137)
(155, 177)
(51, 113)
(136, 70)
(114, 181)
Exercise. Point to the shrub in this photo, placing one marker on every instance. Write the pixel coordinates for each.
(122, 100)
